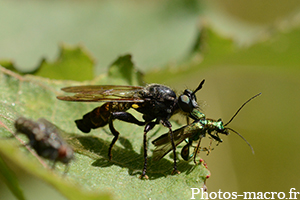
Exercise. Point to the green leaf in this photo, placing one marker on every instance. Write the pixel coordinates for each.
(73, 63)
(11, 151)
(35, 97)
(123, 69)
(11, 180)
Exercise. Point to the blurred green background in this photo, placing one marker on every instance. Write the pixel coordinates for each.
(241, 48)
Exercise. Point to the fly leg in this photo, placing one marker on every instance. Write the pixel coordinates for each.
(175, 170)
(148, 127)
(127, 117)
(123, 116)
(116, 136)
(167, 124)
(197, 149)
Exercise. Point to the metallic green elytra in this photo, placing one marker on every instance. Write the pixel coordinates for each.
(195, 132)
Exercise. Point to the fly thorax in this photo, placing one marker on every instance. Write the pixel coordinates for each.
(162, 100)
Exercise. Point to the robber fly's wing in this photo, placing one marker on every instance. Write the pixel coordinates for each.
(106, 93)
(163, 143)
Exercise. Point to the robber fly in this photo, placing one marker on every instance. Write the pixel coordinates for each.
(195, 132)
(156, 102)
(44, 137)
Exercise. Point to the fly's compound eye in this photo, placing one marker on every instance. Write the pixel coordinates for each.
(185, 103)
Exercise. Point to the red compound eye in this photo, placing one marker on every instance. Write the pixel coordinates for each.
(62, 152)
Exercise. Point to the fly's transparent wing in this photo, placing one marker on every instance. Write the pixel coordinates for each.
(53, 133)
(163, 143)
(105, 93)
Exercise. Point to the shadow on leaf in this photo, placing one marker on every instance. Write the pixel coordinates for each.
(125, 157)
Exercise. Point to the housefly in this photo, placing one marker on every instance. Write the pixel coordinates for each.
(44, 137)
(156, 102)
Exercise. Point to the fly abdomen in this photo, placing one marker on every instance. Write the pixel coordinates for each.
(94, 119)
(99, 117)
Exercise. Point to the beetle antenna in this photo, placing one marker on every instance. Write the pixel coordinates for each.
(242, 138)
(199, 87)
(241, 108)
